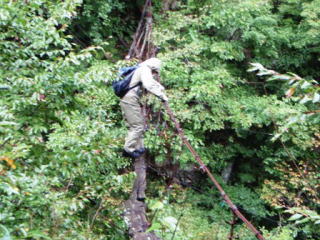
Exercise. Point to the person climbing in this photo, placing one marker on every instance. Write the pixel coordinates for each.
(131, 107)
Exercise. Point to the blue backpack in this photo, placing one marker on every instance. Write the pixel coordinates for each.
(122, 85)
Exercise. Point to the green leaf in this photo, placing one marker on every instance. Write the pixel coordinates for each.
(157, 206)
(316, 97)
(38, 234)
(4, 87)
(4, 233)
(305, 85)
(4, 14)
(303, 221)
(295, 217)
(277, 77)
(255, 67)
(6, 123)
(169, 222)
(154, 226)
(305, 99)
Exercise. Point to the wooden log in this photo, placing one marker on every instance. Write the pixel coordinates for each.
(140, 183)
(135, 208)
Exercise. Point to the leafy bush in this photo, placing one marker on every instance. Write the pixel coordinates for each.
(61, 131)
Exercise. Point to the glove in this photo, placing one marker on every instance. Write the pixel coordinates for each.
(164, 99)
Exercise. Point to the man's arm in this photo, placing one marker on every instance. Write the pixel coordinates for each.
(152, 85)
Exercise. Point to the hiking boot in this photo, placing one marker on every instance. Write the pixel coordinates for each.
(141, 150)
(133, 154)
(141, 196)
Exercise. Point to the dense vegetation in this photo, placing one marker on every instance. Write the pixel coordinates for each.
(61, 131)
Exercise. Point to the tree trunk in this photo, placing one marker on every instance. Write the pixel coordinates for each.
(226, 173)
(135, 208)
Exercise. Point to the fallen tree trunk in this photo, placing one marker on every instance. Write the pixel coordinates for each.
(135, 208)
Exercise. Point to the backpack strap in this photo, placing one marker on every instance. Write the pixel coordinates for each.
(138, 84)
(134, 86)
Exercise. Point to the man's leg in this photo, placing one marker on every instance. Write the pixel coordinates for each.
(134, 119)
(133, 138)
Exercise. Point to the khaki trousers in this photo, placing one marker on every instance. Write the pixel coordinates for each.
(135, 122)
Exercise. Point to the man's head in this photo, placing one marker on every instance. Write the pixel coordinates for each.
(153, 63)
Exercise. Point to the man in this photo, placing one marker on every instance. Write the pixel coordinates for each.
(131, 108)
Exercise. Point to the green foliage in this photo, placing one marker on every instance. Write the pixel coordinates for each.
(94, 21)
(61, 131)
(56, 120)
(177, 213)
(231, 116)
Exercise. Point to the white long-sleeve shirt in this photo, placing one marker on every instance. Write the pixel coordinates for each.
(144, 76)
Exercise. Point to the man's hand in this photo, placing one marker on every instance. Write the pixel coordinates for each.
(164, 99)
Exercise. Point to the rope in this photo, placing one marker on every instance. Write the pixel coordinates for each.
(226, 198)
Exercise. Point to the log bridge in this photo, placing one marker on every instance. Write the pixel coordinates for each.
(135, 207)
